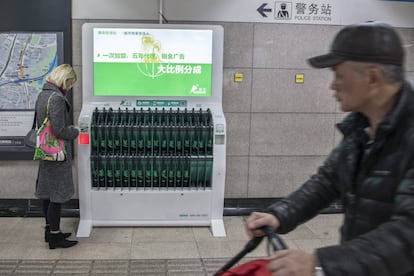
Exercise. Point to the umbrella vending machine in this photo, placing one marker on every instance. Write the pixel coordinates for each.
(152, 147)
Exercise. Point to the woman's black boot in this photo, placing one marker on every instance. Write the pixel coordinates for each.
(47, 233)
(57, 240)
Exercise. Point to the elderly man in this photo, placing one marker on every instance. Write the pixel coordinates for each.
(371, 170)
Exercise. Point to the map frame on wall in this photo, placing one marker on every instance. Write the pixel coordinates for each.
(26, 58)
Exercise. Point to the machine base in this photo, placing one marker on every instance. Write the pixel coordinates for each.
(85, 226)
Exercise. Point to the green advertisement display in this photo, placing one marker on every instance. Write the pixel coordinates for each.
(152, 62)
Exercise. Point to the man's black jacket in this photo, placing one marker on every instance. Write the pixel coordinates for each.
(375, 182)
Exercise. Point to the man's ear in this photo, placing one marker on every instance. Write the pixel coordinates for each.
(374, 75)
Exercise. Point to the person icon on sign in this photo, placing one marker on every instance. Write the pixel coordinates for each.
(283, 13)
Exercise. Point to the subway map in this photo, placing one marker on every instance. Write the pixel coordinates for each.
(25, 60)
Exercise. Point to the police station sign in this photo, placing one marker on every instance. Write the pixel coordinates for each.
(304, 12)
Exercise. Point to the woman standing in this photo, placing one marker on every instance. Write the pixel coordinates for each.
(55, 183)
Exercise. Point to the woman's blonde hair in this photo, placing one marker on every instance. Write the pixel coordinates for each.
(61, 74)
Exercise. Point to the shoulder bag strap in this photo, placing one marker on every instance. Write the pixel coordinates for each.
(34, 120)
(48, 104)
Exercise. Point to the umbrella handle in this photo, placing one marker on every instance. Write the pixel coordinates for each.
(250, 245)
(274, 239)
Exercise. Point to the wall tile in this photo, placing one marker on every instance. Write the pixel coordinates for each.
(18, 179)
(288, 45)
(77, 41)
(279, 176)
(276, 91)
(238, 125)
(410, 78)
(291, 134)
(77, 90)
(237, 96)
(236, 176)
(407, 37)
(238, 44)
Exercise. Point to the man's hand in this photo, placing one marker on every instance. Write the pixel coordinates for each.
(257, 220)
(292, 262)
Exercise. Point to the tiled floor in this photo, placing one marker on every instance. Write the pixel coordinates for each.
(22, 246)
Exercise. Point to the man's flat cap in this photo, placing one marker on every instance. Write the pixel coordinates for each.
(367, 42)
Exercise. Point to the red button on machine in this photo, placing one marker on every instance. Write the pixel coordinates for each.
(83, 139)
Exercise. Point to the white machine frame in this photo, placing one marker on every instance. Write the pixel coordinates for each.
(158, 207)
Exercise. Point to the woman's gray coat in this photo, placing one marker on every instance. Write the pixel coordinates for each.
(54, 180)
